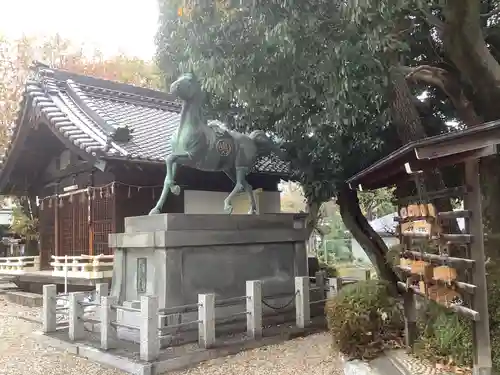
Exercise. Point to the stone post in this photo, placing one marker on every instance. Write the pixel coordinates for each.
(149, 335)
(334, 285)
(49, 308)
(320, 283)
(36, 263)
(101, 290)
(254, 308)
(206, 316)
(76, 325)
(302, 301)
(108, 316)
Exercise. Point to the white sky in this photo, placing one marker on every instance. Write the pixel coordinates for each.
(113, 26)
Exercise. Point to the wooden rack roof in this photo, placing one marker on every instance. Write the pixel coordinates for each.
(442, 150)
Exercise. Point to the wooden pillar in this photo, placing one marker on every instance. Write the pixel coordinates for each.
(410, 315)
(89, 214)
(57, 249)
(481, 331)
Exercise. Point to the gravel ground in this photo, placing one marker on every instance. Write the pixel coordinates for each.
(20, 354)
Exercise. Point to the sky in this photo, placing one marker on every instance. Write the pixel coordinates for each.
(113, 26)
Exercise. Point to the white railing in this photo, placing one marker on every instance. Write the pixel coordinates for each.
(83, 266)
(19, 265)
(147, 322)
(147, 315)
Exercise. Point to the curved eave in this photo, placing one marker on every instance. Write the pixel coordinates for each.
(432, 152)
(38, 109)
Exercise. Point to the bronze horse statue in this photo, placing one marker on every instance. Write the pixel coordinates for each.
(211, 147)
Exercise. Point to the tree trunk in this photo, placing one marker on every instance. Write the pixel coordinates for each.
(465, 45)
(364, 234)
(312, 217)
(406, 119)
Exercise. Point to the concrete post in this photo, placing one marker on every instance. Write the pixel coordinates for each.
(101, 290)
(76, 325)
(108, 316)
(367, 274)
(36, 263)
(334, 285)
(49, 308)
(254, 308)
(150, 340)
(320, 277)
(206, 316)
(302, 302)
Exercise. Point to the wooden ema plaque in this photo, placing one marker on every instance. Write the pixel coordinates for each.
(442, 294)
(445, 273)
(419, 219)
(418, 210)
(422, 268)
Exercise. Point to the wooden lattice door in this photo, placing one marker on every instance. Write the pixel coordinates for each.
(47, 233)
(74, 225)
(103, 208)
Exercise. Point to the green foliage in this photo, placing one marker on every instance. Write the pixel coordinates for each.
(446, 337)
(493, 282)
(377, 203)
(23, 225)
(364, 319)
(312, 73)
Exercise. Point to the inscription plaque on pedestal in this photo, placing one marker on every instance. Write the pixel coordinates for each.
(142, 268)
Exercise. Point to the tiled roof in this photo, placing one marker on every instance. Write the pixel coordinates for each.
(91, 113)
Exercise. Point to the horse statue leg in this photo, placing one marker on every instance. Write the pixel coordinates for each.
(249, 189)
(238, 177)
(168, 185)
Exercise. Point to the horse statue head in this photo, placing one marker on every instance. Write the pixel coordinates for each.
(186, 87)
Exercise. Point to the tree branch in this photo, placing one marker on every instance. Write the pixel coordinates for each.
(494, 12)
(450, 85)
(430, 18)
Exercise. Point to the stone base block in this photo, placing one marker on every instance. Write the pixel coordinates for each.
(178, 256)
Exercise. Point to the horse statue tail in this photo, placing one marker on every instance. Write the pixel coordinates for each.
(265, 145)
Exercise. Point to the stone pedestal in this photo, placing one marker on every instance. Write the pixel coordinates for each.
(178, 256)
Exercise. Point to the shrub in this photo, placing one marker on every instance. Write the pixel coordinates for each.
(365, 319)
(445, 337)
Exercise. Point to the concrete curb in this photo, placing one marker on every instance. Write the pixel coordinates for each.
(379, 366)
(191, 359)
(392, 363)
